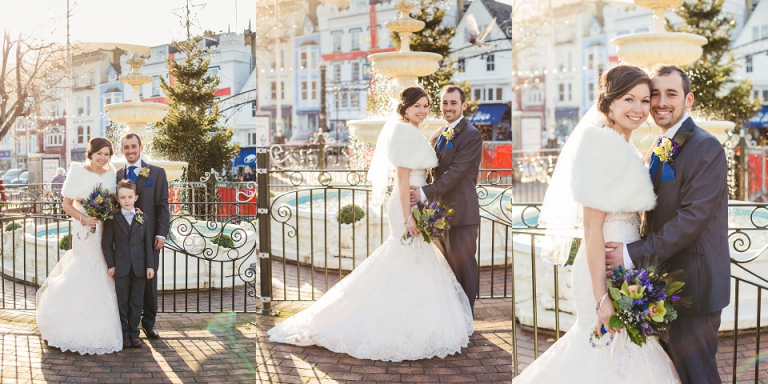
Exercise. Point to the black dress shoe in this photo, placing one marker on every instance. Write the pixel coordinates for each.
(126, 342)
(135, 342)
(151, 332)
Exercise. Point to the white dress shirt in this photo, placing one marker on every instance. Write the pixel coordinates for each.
(129, 215)
(670, 133)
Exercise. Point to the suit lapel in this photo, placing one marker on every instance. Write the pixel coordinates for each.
(140, 181)
(685, 128)
(123, 223)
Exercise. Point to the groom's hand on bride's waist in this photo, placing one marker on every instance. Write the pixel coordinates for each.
(416, 195)
(614, 256)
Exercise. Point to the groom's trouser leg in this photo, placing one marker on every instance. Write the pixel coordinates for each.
(150, 298)
(693, 346)
(462, 247)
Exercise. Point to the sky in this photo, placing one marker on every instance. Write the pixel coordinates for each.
(143, 22)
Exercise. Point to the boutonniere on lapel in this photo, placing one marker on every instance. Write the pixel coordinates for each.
(449, 134)
(144, 172)
(139, 218)
(667, 152)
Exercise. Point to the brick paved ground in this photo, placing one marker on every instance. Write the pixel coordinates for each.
(234, 348)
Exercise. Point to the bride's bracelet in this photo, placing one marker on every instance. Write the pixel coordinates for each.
(81, 219)
(407, 220)
(600, 303)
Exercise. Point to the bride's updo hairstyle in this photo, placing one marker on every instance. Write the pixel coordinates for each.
(96, 144)
(617, 82)
(409, 97)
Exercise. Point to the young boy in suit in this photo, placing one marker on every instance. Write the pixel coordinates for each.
(127, 246)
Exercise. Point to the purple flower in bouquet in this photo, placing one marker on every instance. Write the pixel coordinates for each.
(653, 294)
(432, 219)
(99, 204)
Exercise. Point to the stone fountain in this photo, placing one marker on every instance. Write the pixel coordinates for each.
(137, 115)
(404, 68)
(660, 46)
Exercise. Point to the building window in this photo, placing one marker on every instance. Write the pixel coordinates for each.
(498, 94)
(591, 91)
(80, 107)
(313, 55)
(591, 61)
(253, 108)
(304, 90)
(490, 64)
(113, 98)
(336, 41)
(87, 105)
(561, 92)
(314, 90)
(252, 140)
(765, 95)
(570, 93)
(155, 86)
(749, 64)
(273, 86)
(337, 72)
(54, 139)
(355, 71)
(354, 99)
(764, 31)
(344, 100)
(303, 60)
(355, 37)
(460, 64)
(478, 94)
(755, 33)
(83, 134)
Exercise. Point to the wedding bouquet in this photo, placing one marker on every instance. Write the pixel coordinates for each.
(645, 299)
(99, 204)
(432, 220)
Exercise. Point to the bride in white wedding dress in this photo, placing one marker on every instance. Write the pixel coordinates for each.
(77, 305)
(403, 302)
(599, 186)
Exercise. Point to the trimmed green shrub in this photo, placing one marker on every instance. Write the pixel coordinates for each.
(12, 226)
(351, 213)
(223, 240)
(65, 242)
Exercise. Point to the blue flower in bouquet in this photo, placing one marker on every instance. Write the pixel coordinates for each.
(432, 219)
(99, 204)
(644, 299)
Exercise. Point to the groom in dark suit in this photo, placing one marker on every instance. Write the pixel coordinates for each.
(688, 229)
(152, 188)
(459, 148)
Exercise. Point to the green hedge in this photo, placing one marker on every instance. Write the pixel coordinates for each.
(351, 213)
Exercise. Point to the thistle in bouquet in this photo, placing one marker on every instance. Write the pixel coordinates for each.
(646, 300)
(99, 204)
(432, 219)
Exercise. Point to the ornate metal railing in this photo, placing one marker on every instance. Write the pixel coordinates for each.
(542, 307)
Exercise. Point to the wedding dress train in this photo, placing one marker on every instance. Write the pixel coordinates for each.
(402, 303)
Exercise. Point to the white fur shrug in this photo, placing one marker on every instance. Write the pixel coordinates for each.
(609, 174)
(408, 148)
(80, 182)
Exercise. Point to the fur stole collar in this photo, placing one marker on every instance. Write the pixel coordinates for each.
(408, 148)
(609, 174)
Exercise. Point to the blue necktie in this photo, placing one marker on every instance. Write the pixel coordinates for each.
(441, 142)
(131, 174)
(655, 161)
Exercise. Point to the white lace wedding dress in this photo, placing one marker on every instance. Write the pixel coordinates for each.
(608, 175)
(77, 304)
(402, 303)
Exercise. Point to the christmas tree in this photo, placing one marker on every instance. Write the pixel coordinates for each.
(190, 131)
(717, 94)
